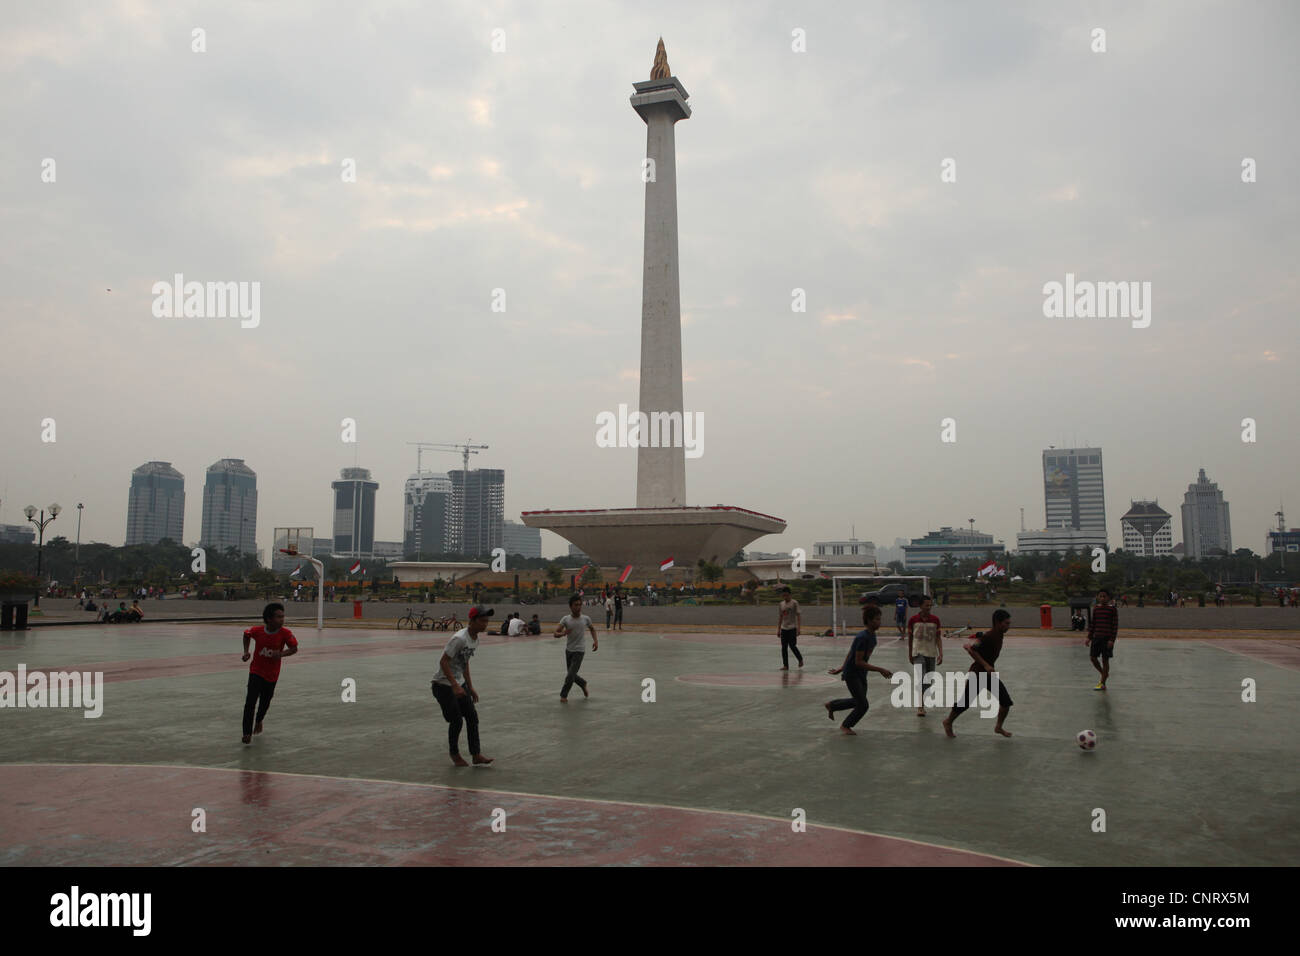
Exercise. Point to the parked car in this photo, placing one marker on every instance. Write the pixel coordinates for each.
(887, 595)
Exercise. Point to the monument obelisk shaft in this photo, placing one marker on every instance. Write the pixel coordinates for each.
(661, 525)
(661, 472)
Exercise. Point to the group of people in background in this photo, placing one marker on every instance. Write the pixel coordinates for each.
(924, 636)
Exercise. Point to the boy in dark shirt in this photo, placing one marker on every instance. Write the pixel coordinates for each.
(984, 651)
(854, 672)
(1101, 635)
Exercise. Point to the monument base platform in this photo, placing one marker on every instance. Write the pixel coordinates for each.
(645, 537)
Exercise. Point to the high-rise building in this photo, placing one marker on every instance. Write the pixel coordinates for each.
(1206, 529)
(230, 507)
(1148, 530)
(155, 505)
(354, 513)
(427, 514)
(1073, 491)
(481, 495)
(521, 540)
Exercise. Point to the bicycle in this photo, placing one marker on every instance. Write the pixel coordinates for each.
(444, 623)
(410, 620)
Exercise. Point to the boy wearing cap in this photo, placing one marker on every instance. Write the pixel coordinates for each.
(454, 688)
(575, 625)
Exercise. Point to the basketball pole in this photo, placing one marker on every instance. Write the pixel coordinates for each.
(320, 594)
(320, 587)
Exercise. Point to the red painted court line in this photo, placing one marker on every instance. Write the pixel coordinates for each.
(1281, 653)
(70, 815)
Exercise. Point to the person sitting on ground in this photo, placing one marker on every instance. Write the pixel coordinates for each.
(535, 625)
(136, 613)
(517, 626)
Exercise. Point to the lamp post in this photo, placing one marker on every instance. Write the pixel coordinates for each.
(30, 511)
(77, 559)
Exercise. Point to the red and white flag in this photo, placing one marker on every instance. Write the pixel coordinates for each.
(666, 564)
(626, 571)
(355, 568)
(296, 571)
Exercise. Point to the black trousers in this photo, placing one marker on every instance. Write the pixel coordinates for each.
(966, 695)
(459, 711)
(856, 685)
(260, 692)
(572, 661)
(788, 638)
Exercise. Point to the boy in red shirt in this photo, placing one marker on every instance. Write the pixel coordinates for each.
(272, 643)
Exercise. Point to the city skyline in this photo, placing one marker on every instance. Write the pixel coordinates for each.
(558, 547)
(473, 220)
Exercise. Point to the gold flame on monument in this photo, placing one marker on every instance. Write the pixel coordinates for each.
(660, 70)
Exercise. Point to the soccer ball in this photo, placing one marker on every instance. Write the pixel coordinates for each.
(1087, 740)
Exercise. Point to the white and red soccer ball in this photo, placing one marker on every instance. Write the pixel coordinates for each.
(1087, 740)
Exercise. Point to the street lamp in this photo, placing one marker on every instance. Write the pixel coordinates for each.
(30, 511)
(77, 559)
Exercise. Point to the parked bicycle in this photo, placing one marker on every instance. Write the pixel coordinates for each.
(410, 620)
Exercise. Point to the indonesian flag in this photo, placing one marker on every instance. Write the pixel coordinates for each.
(355, 568)
(626, 571)
(666, 564)
(296, 571)
(991, 569)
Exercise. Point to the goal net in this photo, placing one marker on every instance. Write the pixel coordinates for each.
(847, 590)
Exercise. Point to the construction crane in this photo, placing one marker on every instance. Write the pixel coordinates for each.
(465, 449)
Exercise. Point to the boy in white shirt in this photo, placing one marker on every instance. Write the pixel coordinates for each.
(574, 626)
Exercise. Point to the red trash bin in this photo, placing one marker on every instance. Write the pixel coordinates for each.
(356, 608)
(1044, 616)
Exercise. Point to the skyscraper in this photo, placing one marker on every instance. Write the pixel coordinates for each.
(1073, 491)
(230, 507)
(155, 505)
(481, 494)
(427, 513)
(1206, 529)
(521, 540)
(1148, 529)
(354, 513)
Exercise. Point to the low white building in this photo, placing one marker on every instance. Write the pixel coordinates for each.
(852, 552)
(1059, 540)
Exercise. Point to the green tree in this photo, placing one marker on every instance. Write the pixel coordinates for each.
(707, 572)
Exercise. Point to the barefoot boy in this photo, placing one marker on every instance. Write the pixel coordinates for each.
(575, 625)
(1101, 635)
(854, 672)
(984, 651)
(272, 643)
(453, 688)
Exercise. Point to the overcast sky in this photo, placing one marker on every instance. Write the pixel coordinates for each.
(520, 170)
